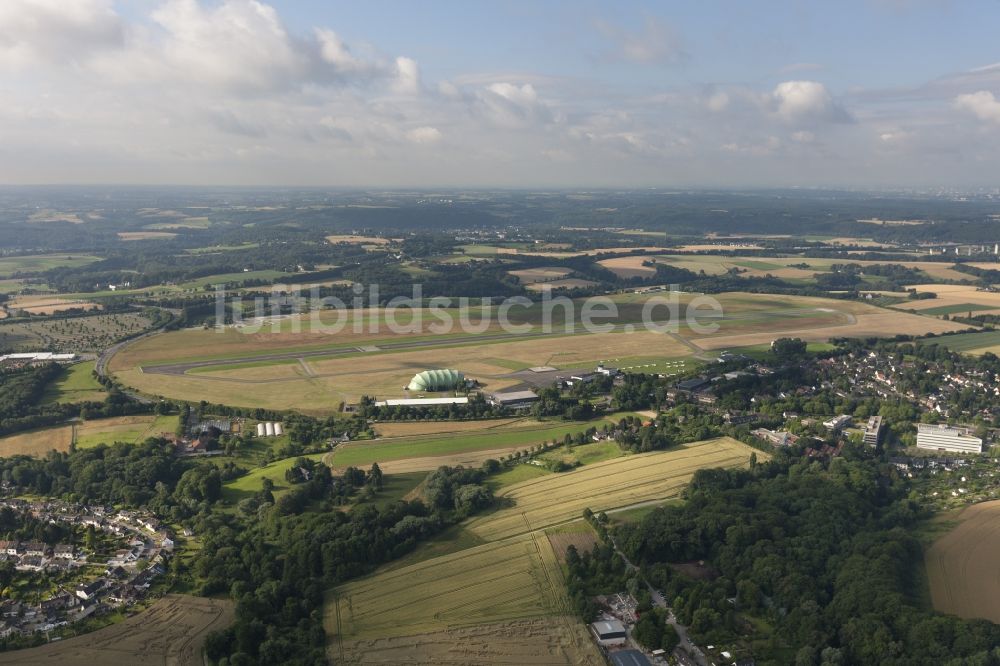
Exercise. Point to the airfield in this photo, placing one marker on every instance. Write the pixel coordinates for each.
(298, 363)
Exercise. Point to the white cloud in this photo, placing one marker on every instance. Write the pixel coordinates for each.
(424, 135)
(407, 76)
(34, 31)
(717, 101)
(983, 104)
(656, 42)
(806, 102)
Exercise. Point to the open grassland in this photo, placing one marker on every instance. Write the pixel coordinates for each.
(559, 498)
(76, 384)
(542, 641)
(42, 262)
(493, 582)
(125, 429)
(252, 482)
(961, 565)
(170, 632)
(418, 428)
(92, 333)
(516, 436)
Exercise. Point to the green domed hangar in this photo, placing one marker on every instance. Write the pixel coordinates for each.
(436, 380)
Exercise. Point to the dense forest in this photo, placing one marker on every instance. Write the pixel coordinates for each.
(805, 562)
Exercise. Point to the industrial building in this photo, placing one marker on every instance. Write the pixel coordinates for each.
(514, 399)
(436, 380)
(873, 431)
(629, 658)
(36, 357)
(947, 438)
(608, 632)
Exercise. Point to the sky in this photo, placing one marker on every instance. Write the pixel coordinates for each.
(540, 94)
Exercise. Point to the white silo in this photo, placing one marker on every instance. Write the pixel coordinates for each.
(260, 429)
(278, 429)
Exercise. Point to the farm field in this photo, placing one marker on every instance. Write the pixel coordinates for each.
(568, 283)
(559, 498)
(961, 565)
(77, 384)
(540, 274)
(42, 262)
(145, 235)
(91, 333)
(37, 442)
(126, 429)
(515, 436)
(757, 266)
(542, 641)
(171, 632)
(972, 343)
(578, 534)
(952, 299)
(46, 305)
(520, 578)
(481, 603)
(357, 240)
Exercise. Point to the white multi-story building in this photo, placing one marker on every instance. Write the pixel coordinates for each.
(947, 438)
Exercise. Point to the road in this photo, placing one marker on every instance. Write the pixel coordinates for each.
(686, 644)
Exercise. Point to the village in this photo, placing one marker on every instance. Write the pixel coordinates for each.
(101, 583)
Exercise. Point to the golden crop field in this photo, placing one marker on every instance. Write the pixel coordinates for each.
(503, 601)
(504, 580)
(540, 274)
(37, 442)
(172, 631)
(961, 565)
(45, 305)
(540, 641)
(551, 500)
(953, 296)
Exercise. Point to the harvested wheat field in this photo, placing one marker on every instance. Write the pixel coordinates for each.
(145, 235)
(876, 323)
(171, 632)
(548, 641)
(46, 305)
(551, 500)
(953, 299)
(628, 267)
(540, 274)
(962, 565)
(351, 239)
(37, 442)
(568, 283)
(579, 535)
(493, 582)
